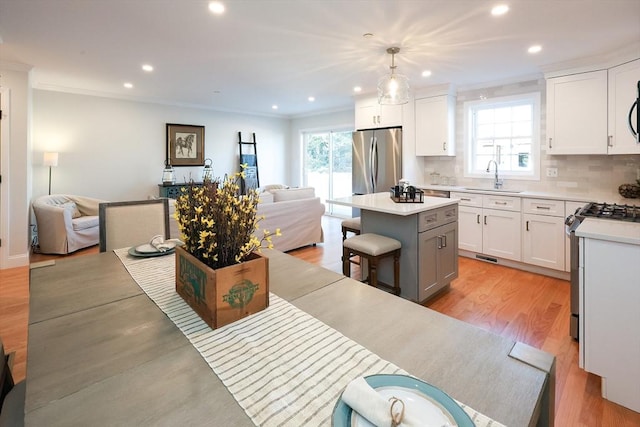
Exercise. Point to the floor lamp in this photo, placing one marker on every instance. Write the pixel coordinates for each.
(51, 160)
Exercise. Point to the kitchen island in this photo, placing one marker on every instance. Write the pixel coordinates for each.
(428, 232)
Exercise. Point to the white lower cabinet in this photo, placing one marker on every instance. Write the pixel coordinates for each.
(492, 230)
(543, 241)
(501, 234)
(470, 226)
(543, 238)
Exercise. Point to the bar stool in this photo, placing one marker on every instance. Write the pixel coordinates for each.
(373, 248)
(350, 225)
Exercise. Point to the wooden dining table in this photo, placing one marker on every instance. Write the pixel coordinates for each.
(101, 352)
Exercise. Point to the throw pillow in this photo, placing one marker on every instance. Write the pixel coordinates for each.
(294, 194)
(272, 187)
(71, 206)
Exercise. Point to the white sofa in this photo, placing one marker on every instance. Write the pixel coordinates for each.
(66, 223)
(297, 212)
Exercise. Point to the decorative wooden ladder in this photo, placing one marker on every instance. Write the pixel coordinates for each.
(251, 179)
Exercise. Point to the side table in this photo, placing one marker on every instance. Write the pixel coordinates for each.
(172, 191)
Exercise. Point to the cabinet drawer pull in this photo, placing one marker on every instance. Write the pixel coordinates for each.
(478, 218)
(444, 146)
(550, 140)
(444, 240)
(527, 225)
(439, 241)
(546, 208)
(610, 141)
(500, 203)
(485, 220)
(464, 199)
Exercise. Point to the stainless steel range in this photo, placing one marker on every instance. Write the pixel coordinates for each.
(607, 211)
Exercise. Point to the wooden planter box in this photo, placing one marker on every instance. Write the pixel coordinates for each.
(224, 295)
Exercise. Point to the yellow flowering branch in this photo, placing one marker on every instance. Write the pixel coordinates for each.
(217, 223)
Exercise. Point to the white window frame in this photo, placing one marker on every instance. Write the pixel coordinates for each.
(534, 157)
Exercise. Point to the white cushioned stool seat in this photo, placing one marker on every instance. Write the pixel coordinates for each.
(373, 248)
(372, 244)
(350, 225)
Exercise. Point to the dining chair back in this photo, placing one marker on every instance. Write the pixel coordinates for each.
(124, 224)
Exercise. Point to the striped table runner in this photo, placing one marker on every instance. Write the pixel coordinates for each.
(283, 366)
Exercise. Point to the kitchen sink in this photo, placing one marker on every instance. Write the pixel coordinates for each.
(494, 190)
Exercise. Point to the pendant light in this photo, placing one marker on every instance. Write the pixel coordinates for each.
(393, 88)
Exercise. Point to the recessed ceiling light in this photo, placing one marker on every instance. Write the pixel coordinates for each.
(500, 9)
(367, 35)
(216, 7)
(535, 48)
(128, 85)
(147, 67)
(357, 89)
(426, 73)
(274, 106)
(311, 98)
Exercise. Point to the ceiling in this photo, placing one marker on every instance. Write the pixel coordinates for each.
(264, 52)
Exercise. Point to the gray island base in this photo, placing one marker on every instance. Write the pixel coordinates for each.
(428, 233)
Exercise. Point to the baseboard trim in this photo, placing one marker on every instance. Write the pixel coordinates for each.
(40, 264)
(563, 275)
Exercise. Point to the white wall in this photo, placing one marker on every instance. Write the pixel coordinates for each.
(115, 149)
(15, 158)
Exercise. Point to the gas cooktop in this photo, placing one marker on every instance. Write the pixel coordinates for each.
(614, 211)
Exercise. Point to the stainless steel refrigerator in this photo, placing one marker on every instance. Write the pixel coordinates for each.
(377, 160)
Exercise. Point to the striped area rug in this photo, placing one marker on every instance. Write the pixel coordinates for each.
(283, 366)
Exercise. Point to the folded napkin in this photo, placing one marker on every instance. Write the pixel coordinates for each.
(363, 399)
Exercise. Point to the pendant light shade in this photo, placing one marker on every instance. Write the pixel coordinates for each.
(393, 88)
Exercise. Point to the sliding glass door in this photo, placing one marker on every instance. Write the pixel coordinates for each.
(327, 166)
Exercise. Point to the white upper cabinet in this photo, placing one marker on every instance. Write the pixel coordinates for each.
(435, 126)
(577, 114)
(371, 115)
(587, 113)
(623, 84)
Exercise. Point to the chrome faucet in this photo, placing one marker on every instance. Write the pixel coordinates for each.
(497, 184)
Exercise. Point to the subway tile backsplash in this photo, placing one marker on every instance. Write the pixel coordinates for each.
(588, 175)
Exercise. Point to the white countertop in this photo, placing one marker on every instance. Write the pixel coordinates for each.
(381, 202)
(606, 229)
(601, 197)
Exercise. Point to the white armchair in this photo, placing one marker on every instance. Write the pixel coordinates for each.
(66, 223)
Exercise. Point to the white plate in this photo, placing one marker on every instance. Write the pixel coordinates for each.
(421, 406)
(418, 393)
(148, 249)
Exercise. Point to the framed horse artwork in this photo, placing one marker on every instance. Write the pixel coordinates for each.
(185, 145)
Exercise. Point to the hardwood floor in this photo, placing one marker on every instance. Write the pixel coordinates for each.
(522, 306)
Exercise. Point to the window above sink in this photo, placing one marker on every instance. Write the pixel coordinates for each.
(505, 130)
